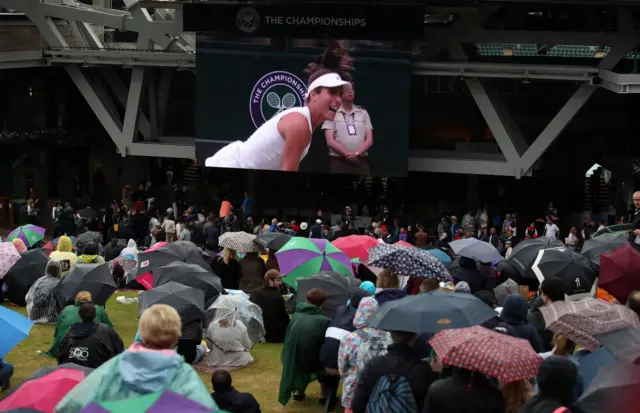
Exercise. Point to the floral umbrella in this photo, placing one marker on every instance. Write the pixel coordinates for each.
(9, 255)
(304, 257)
(30, 234)
(412, 262)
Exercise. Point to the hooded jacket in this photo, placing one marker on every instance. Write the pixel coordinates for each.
(89, 344)
(64, 254)
(340, 327)
(535, 318)
(514, 313)
(137, 371)
(464, 392)
(300, 352)
(468, 272)
(556, 381)
(68, 317)
(350, 347)
(113, 250)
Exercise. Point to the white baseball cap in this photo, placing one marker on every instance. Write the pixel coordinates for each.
(329, 80)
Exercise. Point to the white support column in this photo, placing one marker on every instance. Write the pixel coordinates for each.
(555, 127)
(111, 124)
(132, 112)
(507, 134)
(120, 91)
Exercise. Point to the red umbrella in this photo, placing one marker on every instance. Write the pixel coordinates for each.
(493, 354)
(356, 246)
(45, 392)
(620, 272)
(404, 244)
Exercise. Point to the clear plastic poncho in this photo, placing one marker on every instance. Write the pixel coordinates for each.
(237, 307)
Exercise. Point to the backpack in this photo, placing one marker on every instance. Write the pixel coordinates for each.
(370, 347)
(392, 394)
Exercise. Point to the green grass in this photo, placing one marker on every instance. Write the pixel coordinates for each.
(262, 378)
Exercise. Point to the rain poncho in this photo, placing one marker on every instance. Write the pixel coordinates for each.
(348, 354)
(130, 253)
(64, 254)
(137, 371)
(230, 343)
(250, 314)
(43, 305)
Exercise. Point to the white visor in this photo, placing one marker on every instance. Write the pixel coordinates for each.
(329, 80)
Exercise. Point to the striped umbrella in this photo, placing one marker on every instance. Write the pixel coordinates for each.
(30, 234)
(304, 257)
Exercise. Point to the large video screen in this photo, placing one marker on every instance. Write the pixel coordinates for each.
(313, 105)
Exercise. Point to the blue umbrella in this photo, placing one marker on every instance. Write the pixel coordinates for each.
(431, 312)
(442, 256)
(590, 363)
(15, 327)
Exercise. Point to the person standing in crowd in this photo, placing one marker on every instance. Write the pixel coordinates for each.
(225, 207)
(89, 343)
(556, 380)
(301, 349)
(349, 136)
(271, 302)
(148, 366)
(169, 226)
(551, 290)
(227, 268)
(228, 398)
(634, 216)
(316, 230)
(514, 313)
(551, 230)
(247, 207)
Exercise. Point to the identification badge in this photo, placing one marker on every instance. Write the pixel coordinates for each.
(351, 129)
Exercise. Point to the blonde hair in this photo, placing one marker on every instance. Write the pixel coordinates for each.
(228, 254)
(84, 297)
(516, 394)
(387, 279)
(562, 346)
(160, 327)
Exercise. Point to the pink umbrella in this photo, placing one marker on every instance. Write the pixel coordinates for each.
(404, 244)
(9, 255)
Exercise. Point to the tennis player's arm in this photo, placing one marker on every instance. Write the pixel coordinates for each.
(333, 144)
(294, 127)
(368, 137)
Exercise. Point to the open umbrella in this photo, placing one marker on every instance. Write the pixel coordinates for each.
(488, 352)
(619, 272)
(356, 246)
(475, 249)
(432, 312)
(403, 244)
(23, 274)
(184, 251)
(188, 301)
(44, 393)
(162, 402)
(303, 257)
(525, 253)
(9, 255)
(94, 278)
(579, 278)
(191, 275)
(272, 240)
(615, 229)
(337, 287)
(623, 344)
(15, 327)
(30, 234)
(594, 247)
(249, 313)
(239, 241)
(614, 389)
(412, 262)
(441, 255)
(580, 321)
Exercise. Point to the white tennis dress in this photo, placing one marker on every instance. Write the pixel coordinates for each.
(263, 150)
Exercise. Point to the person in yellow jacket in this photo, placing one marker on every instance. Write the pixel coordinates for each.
(64, 254)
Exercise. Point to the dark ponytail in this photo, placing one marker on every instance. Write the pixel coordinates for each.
(335, 59)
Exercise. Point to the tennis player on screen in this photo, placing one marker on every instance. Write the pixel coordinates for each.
(283, 141)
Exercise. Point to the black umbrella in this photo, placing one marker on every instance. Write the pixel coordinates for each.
(614, 389)
(623, 344)
(191, 275)
(573, 269)
(524, 254)
(188, 301)
(94, 278)
(432, 312)
(23, 274)
(88, 213)
(604, 243)
(338, 288)
(272, 240)
(184, 251)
